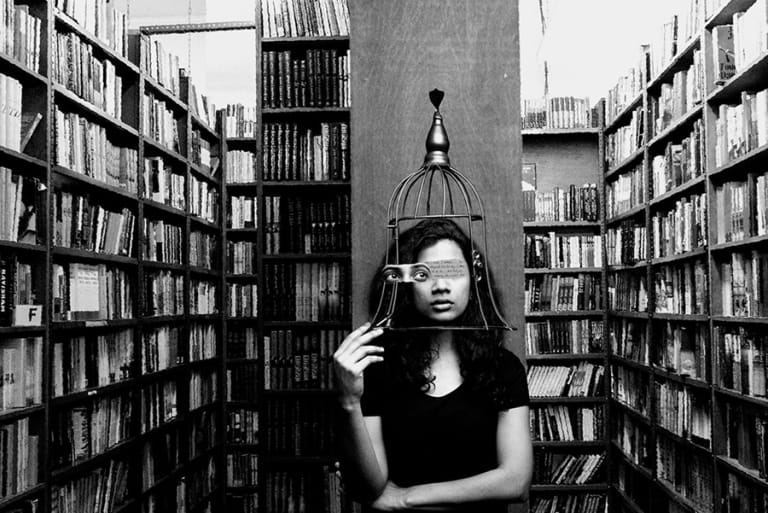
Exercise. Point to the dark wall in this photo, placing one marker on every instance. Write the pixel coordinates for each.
(402, 50)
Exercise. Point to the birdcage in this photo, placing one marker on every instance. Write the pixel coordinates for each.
(436, 191)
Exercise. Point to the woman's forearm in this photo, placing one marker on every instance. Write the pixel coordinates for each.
(501, 484)
(360, 465)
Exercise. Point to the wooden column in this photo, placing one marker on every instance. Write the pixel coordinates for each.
(400, 51)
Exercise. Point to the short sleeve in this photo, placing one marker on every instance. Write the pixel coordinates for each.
(514, 383)
(374, 396)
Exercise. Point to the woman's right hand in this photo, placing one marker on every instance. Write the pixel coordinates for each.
(352, 357)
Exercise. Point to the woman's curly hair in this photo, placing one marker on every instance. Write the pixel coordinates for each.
(409, 353)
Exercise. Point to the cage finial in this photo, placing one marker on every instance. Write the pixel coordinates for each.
(437, 138)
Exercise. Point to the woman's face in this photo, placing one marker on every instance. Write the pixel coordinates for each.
(443, 295)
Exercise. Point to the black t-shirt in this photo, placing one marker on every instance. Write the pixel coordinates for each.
(434, 439)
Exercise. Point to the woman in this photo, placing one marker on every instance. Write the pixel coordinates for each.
(440, 422)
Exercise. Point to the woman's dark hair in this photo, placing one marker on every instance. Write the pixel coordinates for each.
(409, 353)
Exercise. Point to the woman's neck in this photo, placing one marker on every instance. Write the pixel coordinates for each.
(445, 367)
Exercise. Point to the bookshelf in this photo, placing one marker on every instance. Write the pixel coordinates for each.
(287, 250)
(118, 375)
(682, 392)
(564, 336)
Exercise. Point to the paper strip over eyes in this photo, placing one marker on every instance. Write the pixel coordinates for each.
(448, 269)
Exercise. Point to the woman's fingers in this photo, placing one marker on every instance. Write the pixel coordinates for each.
(353, 342)
(351, 358)
(352, 336)
(361, 365)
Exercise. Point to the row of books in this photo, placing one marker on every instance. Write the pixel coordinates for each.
(682, 349)
(627, 191)
(746, 434)
(203, 388)
(21, 369)
(163, 242)
(626, 140)
(84, 147)
(239, 120)
(742, 494)
(162, 184)
(558, 112)
(201, 152)
(241, 166)
(317, 77)
(562, 336)
(681, 288)
(89, 429)
(305, 225)
(626, 244)
(203, 250)
(242, 469)
(203, 199)
(628, 339)
(750, 29)
(159, 64)
(681, 229)
(298, 428)
(563, 293)
(562, 204)
(300, 360)
(82, 223)
(559, 423)
(102, 18)
(304, 18)
(158, 404)
(316, 291)
(160, 349)
(630, 387)
(164, 292)
(687, 472)
(243, 426)
(160, 456)
(241, 257)
(584, 379)
(159, 123)
(684, 411)
(306, 153)
(744, 284)
(291, 490)
(200, 105)
(20, 34)
(203, 342)
(21, 200)
(571, 503)
(93, 79)
(242, 343)
(11, 113)
(627, 89)
(627, 292)
(633, 438)
(555, 251)
(678, 97)
(243, 212)
(102, 489)
(680, 162)
(741, 360)
(741, 127)
(203, 297)
(243, 300)
(17, 287)
(90, 291)
(90, 361)
(203, 432)
(240, 380)
(563, 469)
(199, 484)
(19, 457)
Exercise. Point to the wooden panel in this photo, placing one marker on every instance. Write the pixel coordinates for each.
(561, 161)
(402, 50)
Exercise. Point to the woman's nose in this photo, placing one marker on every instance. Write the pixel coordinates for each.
(440, 285)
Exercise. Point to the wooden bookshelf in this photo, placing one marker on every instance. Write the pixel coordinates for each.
(710, 462)
(562, 157)
(115, 342)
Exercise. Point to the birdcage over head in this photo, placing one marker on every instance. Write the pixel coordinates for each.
(436, 191)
